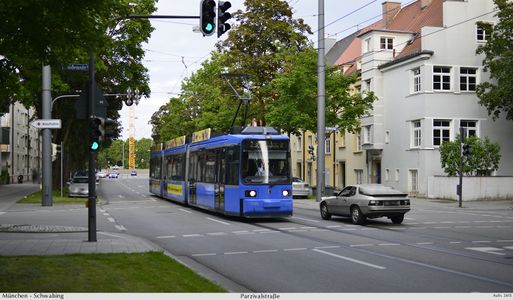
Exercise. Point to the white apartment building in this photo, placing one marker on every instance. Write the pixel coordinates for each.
(19, 142)
(422, 65)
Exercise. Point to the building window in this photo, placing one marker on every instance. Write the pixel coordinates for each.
(310, 141)
(416, 80)
(469, 128)
(387, 136)
(481, 34)
(416, 137)
(327, 145)
(366, 86)
(342, 134)
(441, 131)
(468, 79)
(359, 176)
(299, 145)
(441, 78)
(387, 175)
(396, 174)
(367, 136)
(358, 140)
(386, 43)
(367, 45)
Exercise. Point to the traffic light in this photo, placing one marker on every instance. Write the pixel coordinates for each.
(207, 17)
(222, 17)
(107, 128)
(94, 134)
(467, 150)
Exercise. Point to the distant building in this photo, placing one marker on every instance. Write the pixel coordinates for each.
(19, 143)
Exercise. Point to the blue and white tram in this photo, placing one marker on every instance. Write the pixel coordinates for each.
(246, 174)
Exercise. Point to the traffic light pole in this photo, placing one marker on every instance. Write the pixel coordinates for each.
(460, 186)
(92, 160)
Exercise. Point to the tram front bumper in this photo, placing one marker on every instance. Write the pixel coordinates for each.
(266, 207)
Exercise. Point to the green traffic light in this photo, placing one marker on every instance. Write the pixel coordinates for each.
(209, 27)
(95, 145)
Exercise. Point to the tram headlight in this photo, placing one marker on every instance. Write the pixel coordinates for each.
(251, 193)
(285, 193)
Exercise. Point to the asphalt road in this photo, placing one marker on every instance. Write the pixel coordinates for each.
(438, 248)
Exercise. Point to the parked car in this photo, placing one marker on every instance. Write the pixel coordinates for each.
(133, 173)
(78, 186)
(300, 188)
(101, 174)
(366, 201)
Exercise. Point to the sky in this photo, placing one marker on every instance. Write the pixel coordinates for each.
(174, 51)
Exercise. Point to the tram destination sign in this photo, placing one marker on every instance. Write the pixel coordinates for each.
(46, 124)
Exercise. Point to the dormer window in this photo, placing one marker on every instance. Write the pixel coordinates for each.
(386, 43)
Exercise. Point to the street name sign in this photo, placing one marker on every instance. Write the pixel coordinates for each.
(77, 67)
(46, 124)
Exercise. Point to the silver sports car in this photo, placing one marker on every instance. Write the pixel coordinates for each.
(366, 201)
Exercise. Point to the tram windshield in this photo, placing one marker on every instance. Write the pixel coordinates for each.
(265, 162)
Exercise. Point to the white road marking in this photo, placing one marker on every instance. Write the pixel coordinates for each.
(239, 252)
(309, 220)
(505, 241)
(295, 249)
(192, 235)
(121, 227)
(362, 245)
(477, 242)
(221, 222)
(333, 226)
(111, 219)
(350, 259)
(240, 232)
(166, 237)
(121, 196)
(260, 230)
(265, 251)
(287, 228)
(508, 247)
(455, 242)
(205, 254)
(271, 231)
(216, 233)
(105, 214)
(327, 247)
(308, 227)
(425, 243)
(489, 250)
(186, 211)
(389, 244)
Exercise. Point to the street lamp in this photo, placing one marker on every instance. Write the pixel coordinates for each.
(132, 97)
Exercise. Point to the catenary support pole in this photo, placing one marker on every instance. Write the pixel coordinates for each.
(321, 128)
(92, 160)
(47, 138)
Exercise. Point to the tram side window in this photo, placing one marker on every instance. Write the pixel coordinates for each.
(210, 166)
(155, 168)
(193, 167)
(232, 165)
(175, 167)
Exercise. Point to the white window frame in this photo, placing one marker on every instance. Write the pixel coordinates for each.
(358, 140)
(444, 75)
(481, 35)
(417, 80)
(397, 175)
(342, 134)
(386, 43)
(299, 146)
(472, 130)
(466, 77)
(327, 145)
(359, 175)
(416, 134)
(387, 175)
(367, 45)
(441, 128)
(367, 134)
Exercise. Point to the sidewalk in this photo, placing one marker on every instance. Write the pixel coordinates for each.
(25, 238)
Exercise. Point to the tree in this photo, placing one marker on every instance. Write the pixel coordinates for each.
(295, 91)
(497, 95)
(253, 46)
(483, 159)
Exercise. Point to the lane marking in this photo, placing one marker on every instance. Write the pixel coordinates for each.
(111, 219)
(192, 235)
(265, 251)
(166, 237)
(121, 227)
(295, 249)
(362, 245)
(287, 228)
(204, 254)
(477, 242)
(350, 259)
(425, 243)
(186, 211)
(389, 244)
(239, 252)
(216, 233)
(489, 250)
(327, 247)
(309, 220)
(333, 226)
(221, 222)
(121, 196)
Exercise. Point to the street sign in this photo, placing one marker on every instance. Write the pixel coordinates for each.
(46, 124)
(77, 67)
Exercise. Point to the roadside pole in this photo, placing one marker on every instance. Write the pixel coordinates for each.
(92, 159)
(321, 129)
(46, 199)
(62, 161)
(460, 186)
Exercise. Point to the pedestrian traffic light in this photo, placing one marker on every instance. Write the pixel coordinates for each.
(467, 150)
(207, 17)
(94, 134)
(222, 17)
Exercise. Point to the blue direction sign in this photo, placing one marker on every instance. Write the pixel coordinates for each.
(77, 67)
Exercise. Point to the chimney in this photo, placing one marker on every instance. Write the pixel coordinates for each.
(424, 3)
(390, 9)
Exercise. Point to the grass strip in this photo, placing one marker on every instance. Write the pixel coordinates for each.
(100, 273)
(56, 198)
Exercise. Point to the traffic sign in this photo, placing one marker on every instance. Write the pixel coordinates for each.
(46, 124)
(77, 67)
